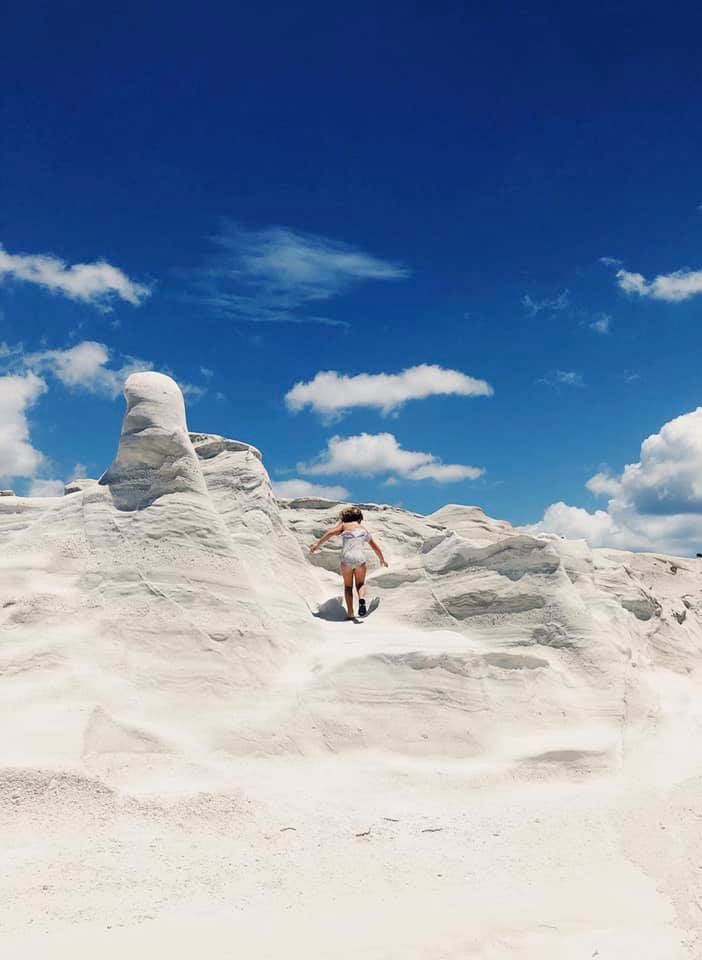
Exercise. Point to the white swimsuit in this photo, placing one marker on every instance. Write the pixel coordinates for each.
(352, 547)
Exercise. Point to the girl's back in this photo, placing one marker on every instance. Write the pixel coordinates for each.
(353, 536)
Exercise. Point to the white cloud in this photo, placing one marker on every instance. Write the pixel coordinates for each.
(296, 489)
(18, 458)
(45, 488)
(331, 393)
(85, 367)
(372, 454)
(672, 287)
(611, 261)
(278, 275)
(603, 483)
(598, 528)
(601, 323)
(444, 472)
(632, 282)
(656, 503)
(554, 304)
(96, 283)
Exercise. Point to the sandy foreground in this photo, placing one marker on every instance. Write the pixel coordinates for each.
(364, 854)
(503, 760)
(348, 857)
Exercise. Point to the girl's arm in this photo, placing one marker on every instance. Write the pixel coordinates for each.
(378, 552)
(327, 536)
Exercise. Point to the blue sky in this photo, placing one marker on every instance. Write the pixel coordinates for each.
(258, 194)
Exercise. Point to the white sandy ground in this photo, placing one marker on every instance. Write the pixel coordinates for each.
(503, 760)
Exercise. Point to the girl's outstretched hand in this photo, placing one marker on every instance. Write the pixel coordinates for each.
(384, 563)
(313, 547)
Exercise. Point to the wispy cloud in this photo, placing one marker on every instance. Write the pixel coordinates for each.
(601, 323)
(375, 454)
(331, 393)
(96, 283)
(557, 378)
(671, 287)
(277, 275)
(548, 305)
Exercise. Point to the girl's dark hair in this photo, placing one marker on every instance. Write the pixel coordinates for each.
(351, 515)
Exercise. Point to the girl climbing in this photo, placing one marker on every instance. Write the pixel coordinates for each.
(353, 562)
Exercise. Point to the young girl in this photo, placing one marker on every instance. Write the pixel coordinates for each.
(353, 562)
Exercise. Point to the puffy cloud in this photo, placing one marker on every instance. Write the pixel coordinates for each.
(84, 366)
(656, 503)
(276, 274)
(89, 366)
(372, 454)
(632, 282)
(96, 283)
(672, 287)
(598, 528)
(331, 393)
(295, 489)
(603, 483)
(668, 477)
(18, 458)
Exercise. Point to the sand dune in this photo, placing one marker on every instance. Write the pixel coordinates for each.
(502, 760)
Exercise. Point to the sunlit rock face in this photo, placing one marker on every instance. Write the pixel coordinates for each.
(155, 455)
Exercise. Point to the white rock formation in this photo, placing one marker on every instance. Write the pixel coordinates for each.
(155, 456)
(503, 760)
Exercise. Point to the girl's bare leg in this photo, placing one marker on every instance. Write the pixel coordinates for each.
(359, 574)
(347, 574)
